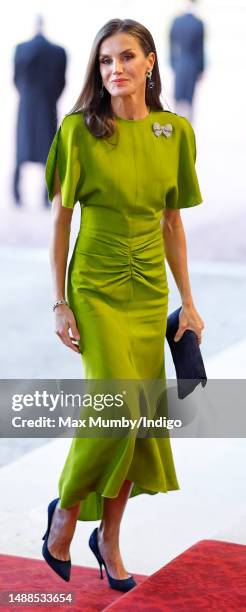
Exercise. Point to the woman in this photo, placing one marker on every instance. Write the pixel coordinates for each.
(131, 166)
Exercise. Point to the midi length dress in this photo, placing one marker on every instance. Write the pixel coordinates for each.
(117, 284)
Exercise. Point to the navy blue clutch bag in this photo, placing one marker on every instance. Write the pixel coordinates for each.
(187, 357)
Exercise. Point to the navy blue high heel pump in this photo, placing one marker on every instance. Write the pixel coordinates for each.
(124, 584)
(62, 568)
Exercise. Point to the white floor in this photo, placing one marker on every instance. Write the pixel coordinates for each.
(211, 502)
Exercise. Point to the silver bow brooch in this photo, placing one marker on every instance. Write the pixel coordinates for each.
(162, 129)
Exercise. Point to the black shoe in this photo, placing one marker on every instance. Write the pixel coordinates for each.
(62, 568)
(120, 585)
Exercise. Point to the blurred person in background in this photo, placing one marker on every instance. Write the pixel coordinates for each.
(186, 57)
(39, 76)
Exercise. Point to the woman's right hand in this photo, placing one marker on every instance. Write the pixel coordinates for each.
(65, 322)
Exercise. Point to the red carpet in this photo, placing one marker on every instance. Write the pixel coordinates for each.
(210, 575)
(23, 575)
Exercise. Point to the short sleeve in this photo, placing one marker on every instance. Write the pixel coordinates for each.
(186, 192)
(64, 152)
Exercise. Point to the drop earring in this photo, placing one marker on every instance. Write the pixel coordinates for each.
(151, 83)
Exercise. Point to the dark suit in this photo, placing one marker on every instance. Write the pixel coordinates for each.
(39, 75)
(186, 54)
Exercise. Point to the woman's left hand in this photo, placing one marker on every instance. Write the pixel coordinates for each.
(189, 318)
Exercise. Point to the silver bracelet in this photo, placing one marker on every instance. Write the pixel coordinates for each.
(58, 302)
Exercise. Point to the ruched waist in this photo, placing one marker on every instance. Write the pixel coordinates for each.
(118, 224)
(108, 244)
(121, 239)
(120, 268)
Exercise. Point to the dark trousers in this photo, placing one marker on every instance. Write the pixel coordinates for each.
(16, 188)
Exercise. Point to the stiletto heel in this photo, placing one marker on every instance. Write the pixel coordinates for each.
(62, 568)
(124, 584)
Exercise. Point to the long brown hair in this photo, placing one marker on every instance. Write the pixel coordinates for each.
(97, 111)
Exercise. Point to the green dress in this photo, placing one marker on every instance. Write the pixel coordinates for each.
(117, 284)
